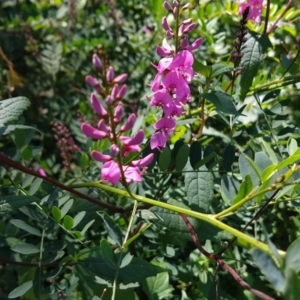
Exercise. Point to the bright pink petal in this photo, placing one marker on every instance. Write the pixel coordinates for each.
(100, 157)
(132, 174)
(146, 161)
(111, 172)
(92, 132)
(159, 140)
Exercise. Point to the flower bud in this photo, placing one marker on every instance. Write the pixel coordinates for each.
(91, 81)
(129, 123)
(146, 161)
(97, 62)
(195, 45)
(114, 92)
(187, 21)
(165, 24)
(122, 92)
(186, 6)
(184, 43)
(110, 74)
(97, 106)
(168, 7)
(92, 132)
(118, 113)
(100, 157)
(114, 150)
(189, 28)
(121, 78)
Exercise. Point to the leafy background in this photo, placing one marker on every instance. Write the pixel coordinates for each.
(45, 54)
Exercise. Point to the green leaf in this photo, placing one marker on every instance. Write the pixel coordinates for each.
(292, 285)
(56, 213)
(78, 218)
(108, 254)
(135, 236)
(10, 128)
(27, 153)
(138, 269)
(262, 161)
(112, 228)
(68, 222)
(25, 248)
(222, 101)
(21, 290)
(204, 70)
(35, 186)
(158, 287)
(247, 166)
(84, 160)
(182, 157)
(219, 69)
(66, 207)
(209, 158)
(195, 153)
(228, 157)
(250, 62)
(199, 186)
(164, 159)
(271, 95)
(11, 203)
(244, 190)
(229, 188)
(11, 109)
(24, 226)
(292, 146)
(292, 258)
(269, 269)
(126, 260)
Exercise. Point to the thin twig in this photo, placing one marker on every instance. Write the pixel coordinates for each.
(7, 161)
(219, 260)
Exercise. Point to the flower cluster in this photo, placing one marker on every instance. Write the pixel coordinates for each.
(111, 111)
(175, 72)
(65, 143)
(255, 9)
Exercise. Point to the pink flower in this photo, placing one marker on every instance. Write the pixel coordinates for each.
(176, 84)
(132, 144)
(171, 106)
(159, 140)
(111, 172)
(132, 174)
(255, 9)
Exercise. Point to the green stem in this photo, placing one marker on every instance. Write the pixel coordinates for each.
(40, 263)
(211, 219)
(275, 84)
(114, 287)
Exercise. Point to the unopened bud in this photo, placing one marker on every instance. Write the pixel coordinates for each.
(118, 113)
(186, 6)
(110, 74)
(165, 24)
(121, 78)
(122, 91)
(97, 62)
(187, 21)
(168, 7)
(129, 123)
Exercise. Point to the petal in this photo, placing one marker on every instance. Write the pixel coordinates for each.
(92, 132)
(111, 172)
(100, 157)
(146, 161)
